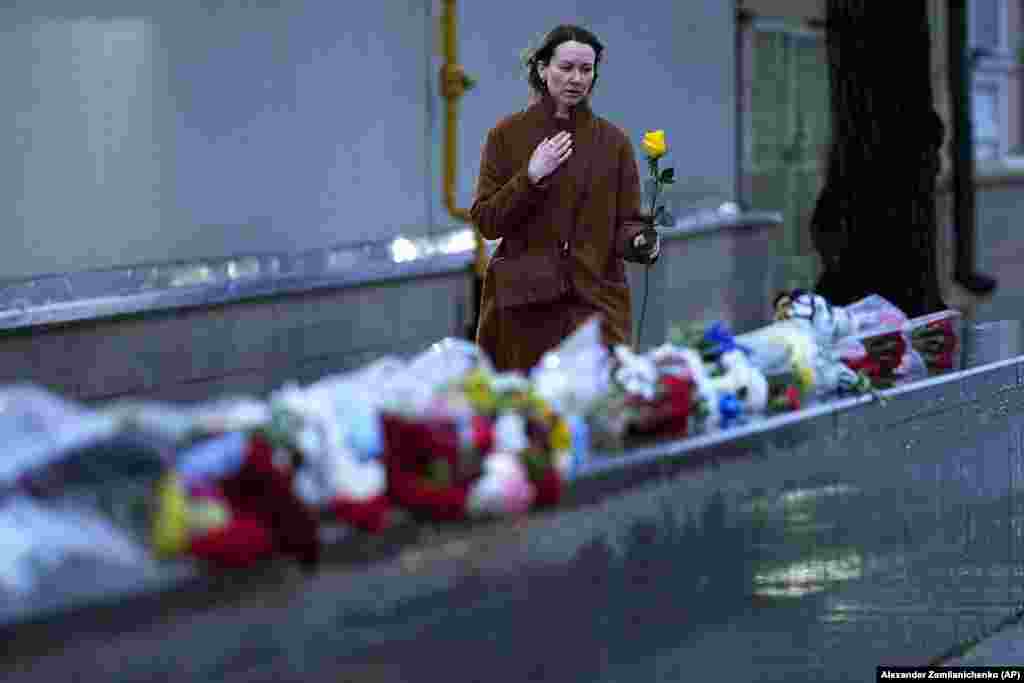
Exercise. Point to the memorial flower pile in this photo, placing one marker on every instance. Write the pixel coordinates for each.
(444, 436)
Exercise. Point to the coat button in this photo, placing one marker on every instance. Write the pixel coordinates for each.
(565, 248)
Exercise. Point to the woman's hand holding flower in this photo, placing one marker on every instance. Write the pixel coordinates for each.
(648, 245)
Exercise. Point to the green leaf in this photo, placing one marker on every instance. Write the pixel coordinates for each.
(439, 472)
(664, 217)
(668, 176)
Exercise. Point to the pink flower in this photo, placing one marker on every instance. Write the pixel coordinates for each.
(504, 488)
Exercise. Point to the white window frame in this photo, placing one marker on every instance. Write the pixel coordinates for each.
(992, 73)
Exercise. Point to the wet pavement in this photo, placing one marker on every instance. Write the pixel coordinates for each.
(813, 546)
(1005, 647)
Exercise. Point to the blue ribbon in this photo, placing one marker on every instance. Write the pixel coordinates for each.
(730, 408)
(580, 432)
(720, 338)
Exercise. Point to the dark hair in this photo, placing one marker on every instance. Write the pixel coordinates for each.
(543, 54)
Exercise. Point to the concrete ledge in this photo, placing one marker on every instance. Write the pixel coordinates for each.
(103, 294)
(811, 546)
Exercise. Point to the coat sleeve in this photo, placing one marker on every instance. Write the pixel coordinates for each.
(630, 219)
(503, 201)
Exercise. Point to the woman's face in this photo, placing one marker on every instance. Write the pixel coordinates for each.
(570, 73)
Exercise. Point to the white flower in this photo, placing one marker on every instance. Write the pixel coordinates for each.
(508, 382)
(510, 433)
(834, 375)
(636, 374)
(706, 391)
(330, 468)
(779, 347)
(830, 323)
(757, 391)
(741, 376)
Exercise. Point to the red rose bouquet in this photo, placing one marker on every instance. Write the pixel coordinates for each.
(486, 444)
(657, 392)
(230, 501)
(936, 338)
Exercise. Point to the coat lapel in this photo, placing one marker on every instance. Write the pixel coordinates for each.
(574, 183)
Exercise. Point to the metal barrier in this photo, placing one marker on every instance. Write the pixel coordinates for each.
(810, 546)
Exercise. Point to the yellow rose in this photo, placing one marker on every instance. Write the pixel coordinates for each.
(654, 144)
(561, 439)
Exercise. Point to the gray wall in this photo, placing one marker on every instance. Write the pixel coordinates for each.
(148, 132)
(251, 347)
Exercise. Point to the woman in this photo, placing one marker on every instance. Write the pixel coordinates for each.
(559, 186)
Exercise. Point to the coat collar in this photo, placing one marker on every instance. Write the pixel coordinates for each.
(579, 116)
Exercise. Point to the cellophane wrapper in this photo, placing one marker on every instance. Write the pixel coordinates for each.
(938, 339)
(791, 348)
(38, 427)
(72, 503)
(185, 423)
(875, 315)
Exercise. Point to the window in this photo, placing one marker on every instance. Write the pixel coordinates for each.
(784, 133)
(993, 62)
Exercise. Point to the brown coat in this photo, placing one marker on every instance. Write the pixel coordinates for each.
(539, 218)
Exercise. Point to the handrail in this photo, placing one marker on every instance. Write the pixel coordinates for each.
(454, 83)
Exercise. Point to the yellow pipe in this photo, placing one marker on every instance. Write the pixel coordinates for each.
(454, 83)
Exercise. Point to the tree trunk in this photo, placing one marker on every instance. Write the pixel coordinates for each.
(874, 223)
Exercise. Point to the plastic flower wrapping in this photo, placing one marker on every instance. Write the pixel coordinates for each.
(655, 392)
(575, 379)
(870, 315)
(608, 397)
(227, 496)
(936, 338)
(470, 441)
(775, 368)
(729, 385)
(441, 436)
(61, 464)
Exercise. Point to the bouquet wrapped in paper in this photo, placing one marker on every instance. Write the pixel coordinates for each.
(875, 338)
(728, 385)
(937, 338)
(470, 442)
(334, 428)
(230, 501)
(795, 359)
(872, 315)
(184, 424)
(575, 379)
(656, 390)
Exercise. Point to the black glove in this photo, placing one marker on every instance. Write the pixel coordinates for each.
(646, 246)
